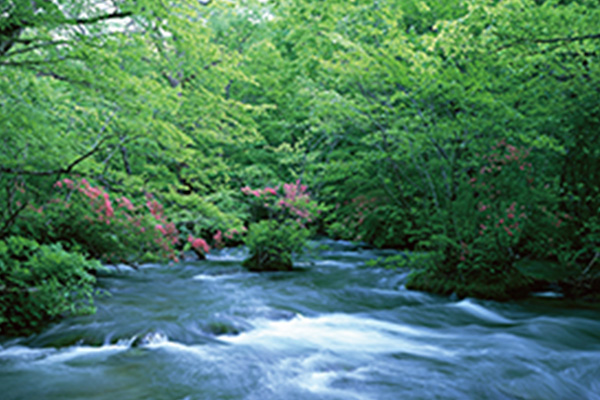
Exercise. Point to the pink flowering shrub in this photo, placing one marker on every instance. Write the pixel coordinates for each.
(283, 203)
(111, 228)
(281, 216)
(502, 213)
(515, 214)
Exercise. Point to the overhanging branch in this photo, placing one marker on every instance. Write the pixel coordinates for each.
(59, 171)
(93, 20)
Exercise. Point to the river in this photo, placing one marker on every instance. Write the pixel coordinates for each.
(334, 329)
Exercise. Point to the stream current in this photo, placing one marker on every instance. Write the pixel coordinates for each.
(334, 329)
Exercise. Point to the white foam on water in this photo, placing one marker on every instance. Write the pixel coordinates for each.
(159, 341)
(340, 333)
(205, 277)
(228, 254)
(71, 353)
(61, 355)
(32, 357)
(317, 373)
(335, 263)
(23, 352)
(481, 312)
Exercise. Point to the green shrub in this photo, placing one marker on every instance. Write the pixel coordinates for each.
(501, 214)
(40, 283)
(485, 281)
(272, 244)
(281, 216)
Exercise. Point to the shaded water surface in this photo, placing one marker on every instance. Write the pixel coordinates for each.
(334, 329)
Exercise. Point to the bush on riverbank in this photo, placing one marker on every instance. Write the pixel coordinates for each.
(40, 283)
(90, 219)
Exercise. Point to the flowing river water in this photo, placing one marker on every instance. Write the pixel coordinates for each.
(334, 329)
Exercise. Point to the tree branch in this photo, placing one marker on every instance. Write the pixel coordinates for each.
(93, 20)
(35, 62)
(60, 171)
(35, 47)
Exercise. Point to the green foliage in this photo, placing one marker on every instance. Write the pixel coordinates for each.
(282, 216)
(40, 283)
(475, 283)
(272, 244)
(403, 110)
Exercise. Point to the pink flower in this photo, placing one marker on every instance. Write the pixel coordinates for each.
(270, 190)
(218, 236)
(70, 184)
(58, 184)
(483, 227)
(501, 220)
(125, 202)
(510, 215)
(246, 190)
(200, 244)
(110, 212)
(161, 229)
(156, 209)
(508, 231)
